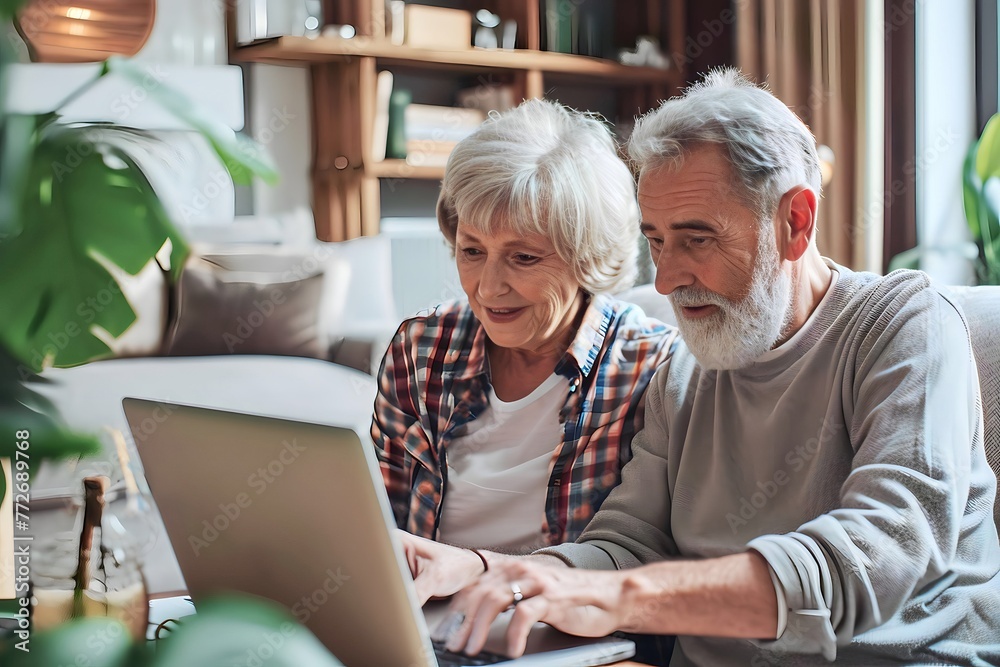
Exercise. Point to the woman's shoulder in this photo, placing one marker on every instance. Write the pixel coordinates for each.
(443, 325)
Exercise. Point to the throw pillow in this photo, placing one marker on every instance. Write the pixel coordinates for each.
(248, 303)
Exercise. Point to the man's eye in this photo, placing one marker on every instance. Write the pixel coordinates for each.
(699, 240)
(525, 259)
(655, 242)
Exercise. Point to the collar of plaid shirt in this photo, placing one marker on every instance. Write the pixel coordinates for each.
(467, 384)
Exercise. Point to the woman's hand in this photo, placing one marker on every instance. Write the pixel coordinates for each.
(438, 570)
(580, 602)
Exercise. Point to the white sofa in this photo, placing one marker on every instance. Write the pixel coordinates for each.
(89, 399)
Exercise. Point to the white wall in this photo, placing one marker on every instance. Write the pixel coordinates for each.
(945, 130)
(279, 119)
(187, 32)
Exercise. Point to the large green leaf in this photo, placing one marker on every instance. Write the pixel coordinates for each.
(47, 439)
(96, 642)
(9, 8)
(990, 230)
(243, 157)
(239, 630)
(16, 132)
(22, 409)
(988, 155)
(3, 475)
(86, 201)
(972, 184)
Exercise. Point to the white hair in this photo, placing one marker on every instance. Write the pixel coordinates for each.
(769, 149)
(546, 169)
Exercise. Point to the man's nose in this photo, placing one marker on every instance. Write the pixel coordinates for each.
(671, 272)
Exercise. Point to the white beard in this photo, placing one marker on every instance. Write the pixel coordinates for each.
(740, 331)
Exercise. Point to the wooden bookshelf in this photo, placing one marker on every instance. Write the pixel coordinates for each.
(304, 51)
(390, 168)
(347, 180)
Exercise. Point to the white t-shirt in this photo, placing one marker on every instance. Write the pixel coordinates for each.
(498, 472)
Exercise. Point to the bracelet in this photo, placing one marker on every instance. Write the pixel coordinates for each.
(486, 566)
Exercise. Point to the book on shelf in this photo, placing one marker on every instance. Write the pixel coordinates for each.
(380, 124)
(395, 145)
(429, 27)
(487, 98)
(586, 29)
(429, 132)
(557, 22)
(436, 147)
(428, 152)
(440, 123)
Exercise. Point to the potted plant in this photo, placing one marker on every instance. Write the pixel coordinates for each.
(59, 231)
(981, 181)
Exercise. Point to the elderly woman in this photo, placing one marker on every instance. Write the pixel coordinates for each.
(503, 422)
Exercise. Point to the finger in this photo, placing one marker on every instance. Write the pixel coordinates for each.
(425, 588)
(492, 603)
(526, 614)
(468, 602)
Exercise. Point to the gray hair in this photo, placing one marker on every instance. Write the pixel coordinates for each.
(546, 169)
(769, 148)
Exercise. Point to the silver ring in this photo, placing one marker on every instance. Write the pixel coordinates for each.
(518, 595)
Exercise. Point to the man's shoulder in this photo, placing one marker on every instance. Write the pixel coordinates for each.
(904, 312)
(904, 293)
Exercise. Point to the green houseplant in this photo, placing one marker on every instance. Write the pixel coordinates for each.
(981, 181)
(61, 224)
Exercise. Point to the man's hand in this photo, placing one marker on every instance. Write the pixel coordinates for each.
(438, 570)
(580, 602)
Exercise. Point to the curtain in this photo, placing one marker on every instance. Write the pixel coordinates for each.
(807, 53)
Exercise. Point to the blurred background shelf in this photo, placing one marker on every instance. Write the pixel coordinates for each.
(434, 63)
(303, 51)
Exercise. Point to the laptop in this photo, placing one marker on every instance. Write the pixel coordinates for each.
(297, 513)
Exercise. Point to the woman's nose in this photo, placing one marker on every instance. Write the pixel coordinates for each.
(493, 281)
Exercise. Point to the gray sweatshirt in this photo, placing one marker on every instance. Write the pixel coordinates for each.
(851, 458)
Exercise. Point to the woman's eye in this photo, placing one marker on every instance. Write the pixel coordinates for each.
(471, 252)
(525, 258)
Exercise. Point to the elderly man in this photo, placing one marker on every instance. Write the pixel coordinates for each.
(810, 483)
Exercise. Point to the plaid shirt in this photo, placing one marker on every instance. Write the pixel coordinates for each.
(434, 380)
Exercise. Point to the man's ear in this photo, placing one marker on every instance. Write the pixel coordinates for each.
(796, 222)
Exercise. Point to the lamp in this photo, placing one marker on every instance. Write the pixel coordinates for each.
(74, 31)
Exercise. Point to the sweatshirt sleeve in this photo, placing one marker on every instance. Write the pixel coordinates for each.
(632, 527)
(914, 425)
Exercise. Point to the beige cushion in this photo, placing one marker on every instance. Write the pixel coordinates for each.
(248, 303)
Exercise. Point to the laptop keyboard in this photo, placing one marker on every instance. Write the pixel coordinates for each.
(446, 658)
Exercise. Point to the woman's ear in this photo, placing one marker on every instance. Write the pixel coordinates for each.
(796, 222)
